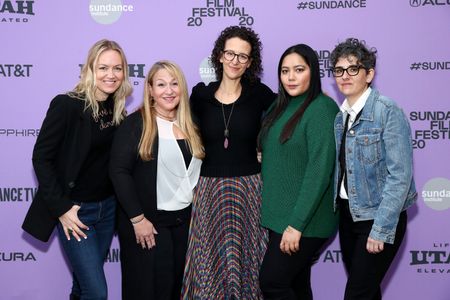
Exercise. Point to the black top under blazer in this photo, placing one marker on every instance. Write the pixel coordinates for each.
(60, 150)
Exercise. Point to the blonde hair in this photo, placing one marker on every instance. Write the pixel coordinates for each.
(184, 118)
(86, 87)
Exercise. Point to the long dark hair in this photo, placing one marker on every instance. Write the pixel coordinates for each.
(283, 99)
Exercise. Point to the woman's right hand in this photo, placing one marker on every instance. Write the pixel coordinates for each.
(145, 233)
(72, 224)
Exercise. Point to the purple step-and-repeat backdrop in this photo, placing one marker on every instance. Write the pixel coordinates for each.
(43, 44)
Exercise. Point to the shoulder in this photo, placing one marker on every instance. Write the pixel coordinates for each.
(260, 88)
(130, 129)
(65, 105)
(384, 103)
(199, 86)
(324, 105)
(202, 90)
(133, 120)
(69, 99)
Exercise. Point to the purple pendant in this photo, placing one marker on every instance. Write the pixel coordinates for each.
(225, 143)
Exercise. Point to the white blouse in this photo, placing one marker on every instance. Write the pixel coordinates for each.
(174, 183)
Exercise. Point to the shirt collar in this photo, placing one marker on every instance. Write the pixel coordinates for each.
(358, 106)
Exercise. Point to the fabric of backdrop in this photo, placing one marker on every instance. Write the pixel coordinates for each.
(44, 43)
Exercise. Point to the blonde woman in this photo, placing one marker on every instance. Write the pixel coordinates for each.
(70, 159)
(155, 164)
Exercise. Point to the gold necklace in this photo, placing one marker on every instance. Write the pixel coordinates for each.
(160, 115)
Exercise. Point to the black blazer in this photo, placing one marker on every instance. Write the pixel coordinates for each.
(134, 180)
(61, 148)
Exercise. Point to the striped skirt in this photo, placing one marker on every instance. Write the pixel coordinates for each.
(226, 242)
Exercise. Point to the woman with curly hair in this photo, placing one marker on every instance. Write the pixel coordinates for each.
(374, 176)
(226, 243)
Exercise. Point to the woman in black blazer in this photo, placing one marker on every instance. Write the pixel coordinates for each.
(155, 164)
(70, 159)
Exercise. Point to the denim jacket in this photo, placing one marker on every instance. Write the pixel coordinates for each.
(379, 161)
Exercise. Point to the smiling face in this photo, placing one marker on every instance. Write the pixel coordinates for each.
(109, 74)
(233, 69)
(165, 90)
(352, 87)
(295, 74)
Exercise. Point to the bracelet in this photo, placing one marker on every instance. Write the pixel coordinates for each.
(138, 221)
(288, 229)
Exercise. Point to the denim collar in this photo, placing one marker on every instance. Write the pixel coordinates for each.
(368, 110)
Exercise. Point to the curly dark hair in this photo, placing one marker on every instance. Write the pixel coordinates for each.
(364, 55)
(254, 72)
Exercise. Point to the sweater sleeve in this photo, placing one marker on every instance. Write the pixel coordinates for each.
(45, 154)
(124, 154)
(319, 168)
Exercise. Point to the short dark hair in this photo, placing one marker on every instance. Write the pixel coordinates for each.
(352, 46)
(252, 73)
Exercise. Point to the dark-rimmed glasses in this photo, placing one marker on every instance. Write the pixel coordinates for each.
(352, 70)
(230, 55)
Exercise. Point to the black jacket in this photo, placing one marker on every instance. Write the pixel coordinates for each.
(60, 150)
(134, 180)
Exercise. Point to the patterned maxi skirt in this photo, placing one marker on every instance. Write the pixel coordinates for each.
(226, 242)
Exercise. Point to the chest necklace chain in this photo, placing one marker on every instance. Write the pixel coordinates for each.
(226, 132)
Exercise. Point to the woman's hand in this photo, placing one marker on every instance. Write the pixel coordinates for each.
(259, 156)
(374, 246)
(290, 241)
(145, 232)
(72, 225)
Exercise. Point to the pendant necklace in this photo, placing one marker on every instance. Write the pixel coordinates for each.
(226, 132)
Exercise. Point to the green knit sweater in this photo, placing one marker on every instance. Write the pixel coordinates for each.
(298, 175)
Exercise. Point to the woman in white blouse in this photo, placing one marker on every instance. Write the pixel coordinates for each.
(155, 165)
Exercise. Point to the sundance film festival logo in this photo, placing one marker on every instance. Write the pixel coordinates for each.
(16, 11)
(324, 63)
(219, 9)
(108, 11)
(436, 193)
(206, 71)
(430, 65)
(437, 127)
(418, 3)
(435, 260)
(331, 4)
(15, 70)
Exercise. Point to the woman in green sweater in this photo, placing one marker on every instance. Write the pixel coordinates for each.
(298, 153)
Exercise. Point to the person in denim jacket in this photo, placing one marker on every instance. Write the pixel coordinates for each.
(374, 182)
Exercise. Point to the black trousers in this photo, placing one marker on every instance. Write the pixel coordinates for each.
(154, 274)
(284, 276)
(365, 270)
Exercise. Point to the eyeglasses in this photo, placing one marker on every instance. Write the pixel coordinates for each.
(352, 70)
(230, 55)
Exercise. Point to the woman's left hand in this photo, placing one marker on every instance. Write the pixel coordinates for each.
(290, 241)
(374, 246)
